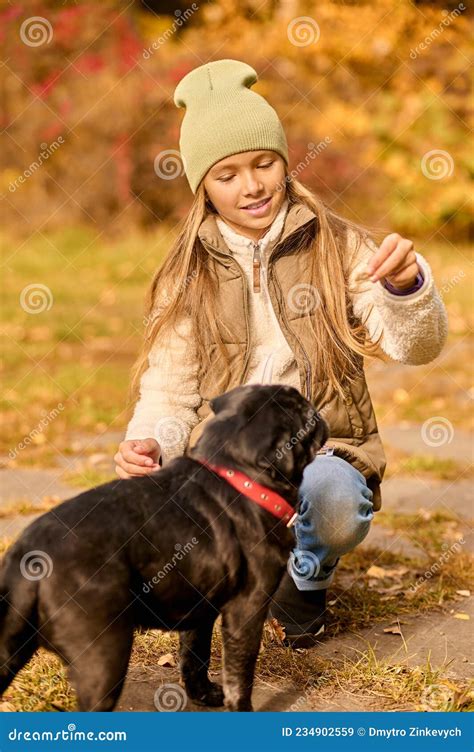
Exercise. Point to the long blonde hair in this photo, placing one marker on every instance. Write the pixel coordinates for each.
(339, 341)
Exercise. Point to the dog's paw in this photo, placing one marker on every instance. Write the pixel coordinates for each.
(213, 696)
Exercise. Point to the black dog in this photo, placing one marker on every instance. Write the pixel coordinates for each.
(110, 557)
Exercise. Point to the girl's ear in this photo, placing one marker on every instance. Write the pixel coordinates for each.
(209, 205)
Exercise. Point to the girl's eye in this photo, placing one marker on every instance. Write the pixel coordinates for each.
(229, 177)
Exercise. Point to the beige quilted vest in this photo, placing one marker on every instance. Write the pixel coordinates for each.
(353, 427)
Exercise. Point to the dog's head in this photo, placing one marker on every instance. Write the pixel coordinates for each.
(270, 432)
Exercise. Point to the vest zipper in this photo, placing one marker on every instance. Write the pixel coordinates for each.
(308, 370)
(257, 267)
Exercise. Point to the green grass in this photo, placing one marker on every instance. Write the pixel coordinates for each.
(80, 351)
(444, 469)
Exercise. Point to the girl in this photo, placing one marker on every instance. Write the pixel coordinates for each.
(266, 283)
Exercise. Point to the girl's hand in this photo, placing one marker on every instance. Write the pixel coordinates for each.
(394, 261)
(137, 457)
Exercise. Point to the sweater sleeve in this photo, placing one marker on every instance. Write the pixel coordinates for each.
(414, 327)
(169, 393)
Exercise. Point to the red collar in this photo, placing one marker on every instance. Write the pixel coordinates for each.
(261, 495)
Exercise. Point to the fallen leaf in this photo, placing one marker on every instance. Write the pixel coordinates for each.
(393, 630)
(167, 660)
(464, 617)
(393, 588)
(380, 573)
(276, 629)
(7, 707)
(465, 593)
(97, 458)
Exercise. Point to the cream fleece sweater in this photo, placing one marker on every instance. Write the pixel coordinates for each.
(414, 330)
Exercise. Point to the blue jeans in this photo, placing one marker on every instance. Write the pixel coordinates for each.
(333, 518)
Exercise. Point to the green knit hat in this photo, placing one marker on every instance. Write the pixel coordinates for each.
(224, 117)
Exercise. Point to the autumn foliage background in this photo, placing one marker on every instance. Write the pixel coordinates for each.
(95, 86)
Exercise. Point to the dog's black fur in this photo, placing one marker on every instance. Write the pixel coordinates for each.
(106, 544)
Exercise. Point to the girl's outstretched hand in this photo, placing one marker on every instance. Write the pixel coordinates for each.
(395, 261)
(137, 457)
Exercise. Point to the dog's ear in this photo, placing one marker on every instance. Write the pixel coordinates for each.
(225, 401)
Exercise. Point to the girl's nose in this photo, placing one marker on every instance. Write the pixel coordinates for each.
(252, 185)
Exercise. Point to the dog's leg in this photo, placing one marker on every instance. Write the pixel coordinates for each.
(98, 667)
(194, 654)
(242, 627)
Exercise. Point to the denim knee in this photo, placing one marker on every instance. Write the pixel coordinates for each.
(335, 507)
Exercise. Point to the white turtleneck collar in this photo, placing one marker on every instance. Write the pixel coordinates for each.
(235, 239)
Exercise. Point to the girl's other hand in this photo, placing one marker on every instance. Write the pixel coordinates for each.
(394, 261)
(137, 457)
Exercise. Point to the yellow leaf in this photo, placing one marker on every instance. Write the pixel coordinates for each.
(465, 617)
(167, 660)
(393, 630)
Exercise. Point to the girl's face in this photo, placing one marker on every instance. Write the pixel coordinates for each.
(243, 180)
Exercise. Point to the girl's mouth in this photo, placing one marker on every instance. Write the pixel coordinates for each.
(260, 208)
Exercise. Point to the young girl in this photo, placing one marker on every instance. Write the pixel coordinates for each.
(266, 283)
